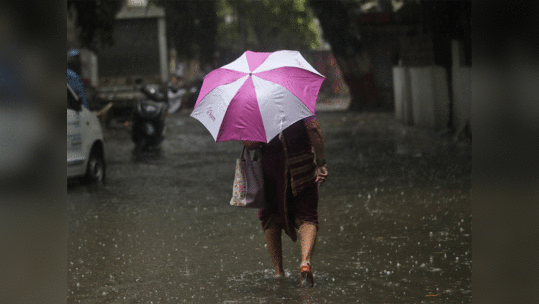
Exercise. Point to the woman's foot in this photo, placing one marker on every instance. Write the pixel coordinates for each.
(279, 276)
(306, 278)
(279, 273)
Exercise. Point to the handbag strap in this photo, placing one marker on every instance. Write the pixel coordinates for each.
(242, 157)
(246, 156)
(256, 155)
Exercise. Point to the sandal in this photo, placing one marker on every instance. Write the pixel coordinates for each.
(306, 278)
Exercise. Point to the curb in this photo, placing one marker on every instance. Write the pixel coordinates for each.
(333, 104)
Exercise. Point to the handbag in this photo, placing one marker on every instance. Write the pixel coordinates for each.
(248, 189)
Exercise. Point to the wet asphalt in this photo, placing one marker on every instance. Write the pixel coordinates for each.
(395, 221)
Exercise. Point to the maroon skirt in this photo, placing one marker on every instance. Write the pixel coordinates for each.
(282, 205)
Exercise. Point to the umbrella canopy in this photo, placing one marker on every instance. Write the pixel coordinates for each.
(257, 96)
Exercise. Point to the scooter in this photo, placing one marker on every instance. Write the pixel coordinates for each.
(175, 97)
(184, 97)
(148, 125)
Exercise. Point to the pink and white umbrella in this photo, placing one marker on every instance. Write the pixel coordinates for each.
(257, 96)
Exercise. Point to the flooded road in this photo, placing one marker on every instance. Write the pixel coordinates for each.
(395, 222)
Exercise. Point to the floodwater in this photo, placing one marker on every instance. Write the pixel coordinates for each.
(395, 222)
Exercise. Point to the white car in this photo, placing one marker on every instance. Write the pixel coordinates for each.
(85, 145)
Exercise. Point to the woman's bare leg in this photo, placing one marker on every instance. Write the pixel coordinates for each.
(273, 234)
(307, 233)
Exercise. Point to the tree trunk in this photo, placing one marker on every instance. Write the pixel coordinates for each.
(349, 52)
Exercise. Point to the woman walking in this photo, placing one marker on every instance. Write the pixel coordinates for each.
(292, 175)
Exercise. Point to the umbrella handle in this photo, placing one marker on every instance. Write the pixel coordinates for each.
(243, 154)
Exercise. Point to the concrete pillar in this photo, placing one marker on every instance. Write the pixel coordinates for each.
(430, 97)
(402, 95)
(462, 89)
(89, 66)
(163, 57)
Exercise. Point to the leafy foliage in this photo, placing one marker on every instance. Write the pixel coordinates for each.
(264, 25)
(199, 28)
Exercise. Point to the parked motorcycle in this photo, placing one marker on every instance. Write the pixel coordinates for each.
(148, 125)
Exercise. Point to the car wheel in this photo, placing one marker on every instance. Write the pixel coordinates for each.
(95, 171)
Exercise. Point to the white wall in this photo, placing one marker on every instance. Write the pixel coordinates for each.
(423, 92)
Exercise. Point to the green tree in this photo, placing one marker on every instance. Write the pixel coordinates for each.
(347, 48)
(264, 25)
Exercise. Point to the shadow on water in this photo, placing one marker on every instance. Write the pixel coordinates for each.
(395, 222)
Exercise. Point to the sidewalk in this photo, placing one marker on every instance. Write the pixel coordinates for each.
(340, 103)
